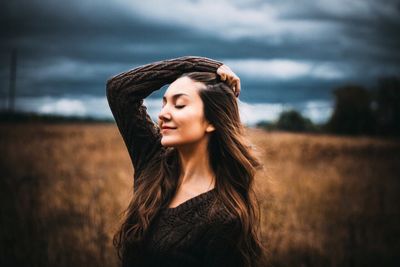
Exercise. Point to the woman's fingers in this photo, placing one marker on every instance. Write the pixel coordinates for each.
(221, 71)
(225, 72)
(223, 76)
(237, 89)
(230, 78)
(234, 83)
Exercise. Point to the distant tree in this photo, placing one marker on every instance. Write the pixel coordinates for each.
(267, 125)
(352, 113)
(292, 120)
(387, 110)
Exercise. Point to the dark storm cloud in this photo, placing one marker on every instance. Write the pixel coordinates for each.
(74, 46)
(369, 34)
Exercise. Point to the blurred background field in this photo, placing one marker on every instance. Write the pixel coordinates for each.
(326, 200)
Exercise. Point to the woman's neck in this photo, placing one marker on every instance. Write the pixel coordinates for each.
(196, 172)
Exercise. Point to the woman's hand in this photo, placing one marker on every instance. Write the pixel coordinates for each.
(230, 78)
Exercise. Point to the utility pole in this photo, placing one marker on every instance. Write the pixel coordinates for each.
(13, 77)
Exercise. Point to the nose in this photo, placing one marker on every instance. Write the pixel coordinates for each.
(164, 114)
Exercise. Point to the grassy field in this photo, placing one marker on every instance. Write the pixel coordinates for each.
(326, 200)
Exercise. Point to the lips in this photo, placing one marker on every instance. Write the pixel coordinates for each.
(167, 127)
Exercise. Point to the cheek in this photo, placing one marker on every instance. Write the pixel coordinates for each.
(191, 121)
(192, 130)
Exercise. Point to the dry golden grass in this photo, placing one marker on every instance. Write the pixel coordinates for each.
(326, 200)
(329, 200)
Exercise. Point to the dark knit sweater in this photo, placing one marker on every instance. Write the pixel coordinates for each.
(184, 235)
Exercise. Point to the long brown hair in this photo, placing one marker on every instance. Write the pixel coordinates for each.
(232, 161)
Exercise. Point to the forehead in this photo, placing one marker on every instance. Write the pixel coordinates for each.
(183, 87)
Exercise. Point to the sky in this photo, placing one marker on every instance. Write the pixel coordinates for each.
(287, 53)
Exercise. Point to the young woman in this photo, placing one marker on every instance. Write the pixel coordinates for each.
(193, 201)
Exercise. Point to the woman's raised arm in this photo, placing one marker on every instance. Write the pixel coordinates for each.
(125, 93)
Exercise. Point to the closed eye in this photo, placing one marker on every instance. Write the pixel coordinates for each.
(181, 106)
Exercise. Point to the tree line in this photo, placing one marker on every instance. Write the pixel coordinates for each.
(357, 111)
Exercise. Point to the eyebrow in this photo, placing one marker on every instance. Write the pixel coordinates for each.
(175, 96)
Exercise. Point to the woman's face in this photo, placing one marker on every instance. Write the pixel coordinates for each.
(183, 110)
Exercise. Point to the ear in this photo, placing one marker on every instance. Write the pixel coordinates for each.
(210, 128)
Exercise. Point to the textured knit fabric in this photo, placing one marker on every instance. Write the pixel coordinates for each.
(183, 235)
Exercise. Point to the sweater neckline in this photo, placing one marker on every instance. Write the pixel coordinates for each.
(190, 202)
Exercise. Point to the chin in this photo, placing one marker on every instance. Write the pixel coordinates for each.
(166, 143)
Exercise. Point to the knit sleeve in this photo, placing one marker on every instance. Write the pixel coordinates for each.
(222, 247)
(125, 93)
